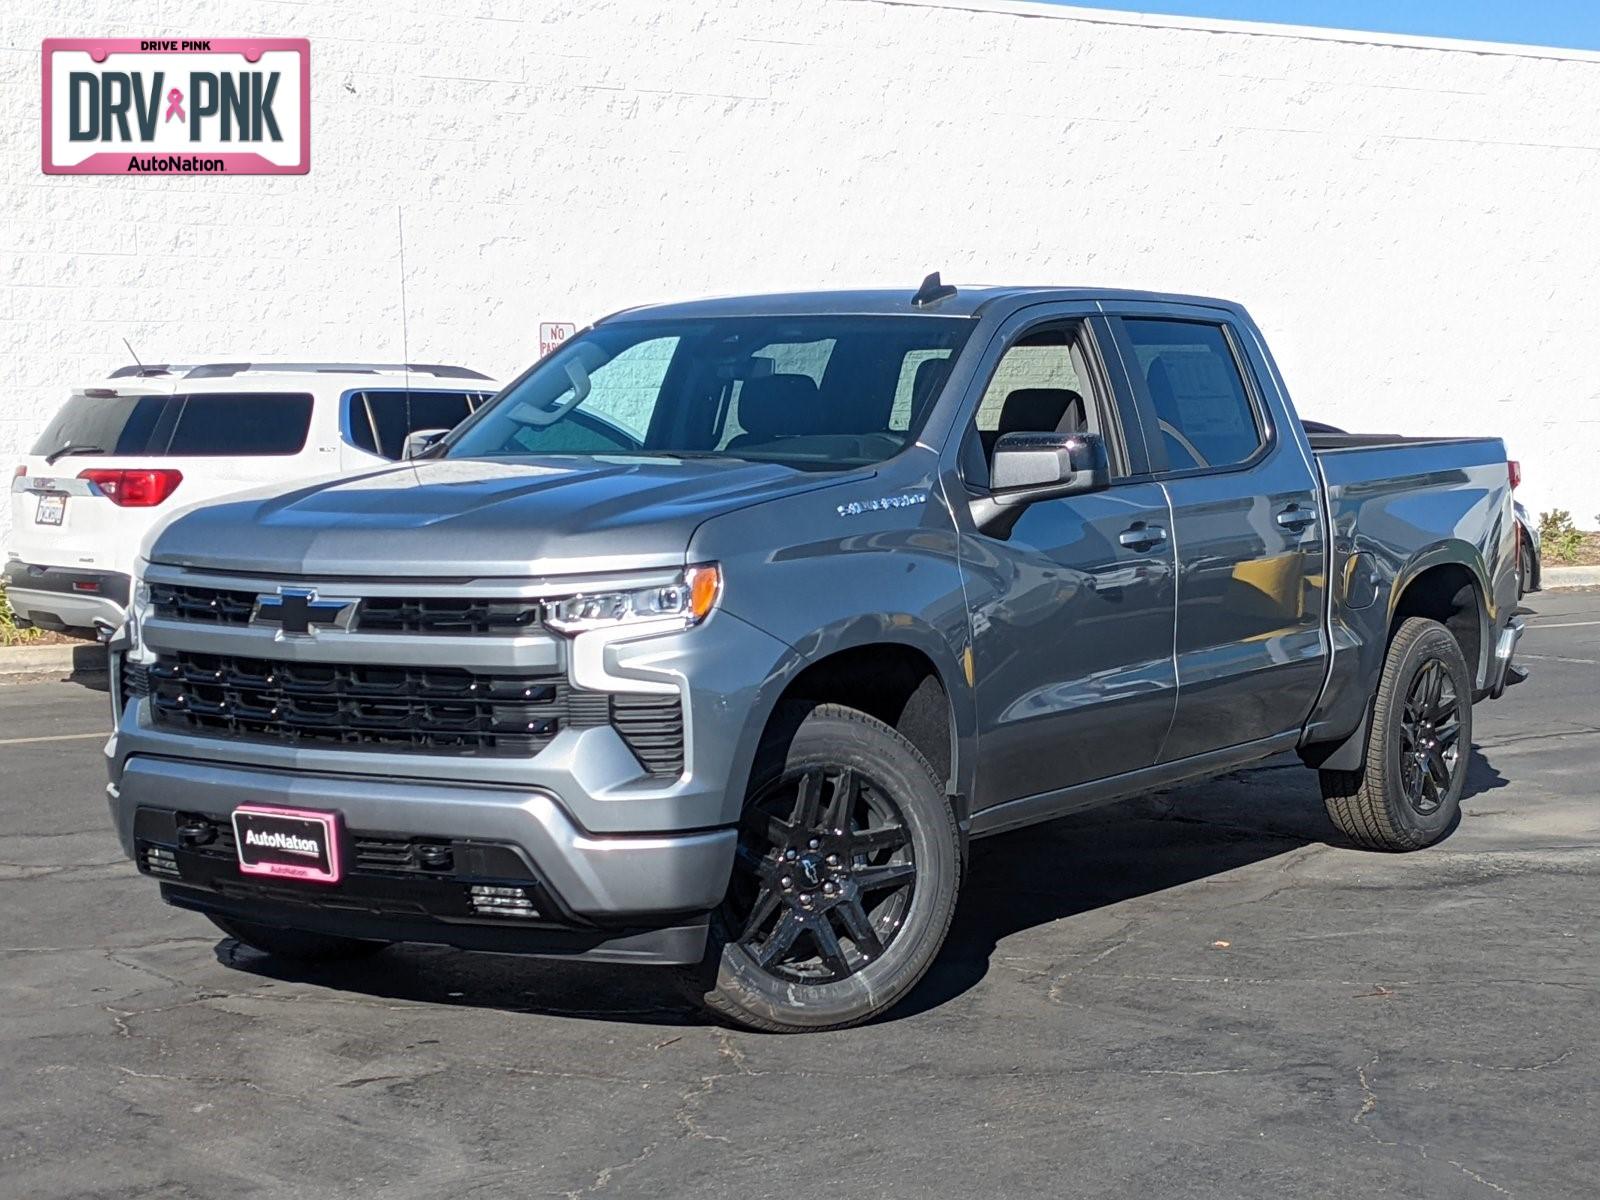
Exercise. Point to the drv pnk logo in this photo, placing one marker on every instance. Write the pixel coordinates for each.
(177, 106)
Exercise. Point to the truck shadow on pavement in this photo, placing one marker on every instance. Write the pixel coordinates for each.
(1015, 882)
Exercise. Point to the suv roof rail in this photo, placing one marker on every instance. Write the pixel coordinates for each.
(149, 370)
(224, 370)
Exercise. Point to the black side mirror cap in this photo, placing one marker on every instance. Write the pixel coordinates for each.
(1029, 467)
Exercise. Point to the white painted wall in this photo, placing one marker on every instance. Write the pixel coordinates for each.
(1416, 225)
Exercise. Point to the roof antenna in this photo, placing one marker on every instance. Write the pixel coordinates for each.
(136, 362)
(405, 337)
(932, 291)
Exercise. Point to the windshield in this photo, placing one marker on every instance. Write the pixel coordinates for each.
(818, 393)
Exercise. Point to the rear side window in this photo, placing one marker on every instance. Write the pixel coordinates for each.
(380, 421)
(197, 425)
(1202, 409)
(240, 424)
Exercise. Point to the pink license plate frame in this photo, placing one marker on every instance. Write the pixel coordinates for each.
(276, 851)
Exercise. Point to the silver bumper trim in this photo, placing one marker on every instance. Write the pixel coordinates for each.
(594, 875)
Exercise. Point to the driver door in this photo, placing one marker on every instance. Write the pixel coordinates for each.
(1071, 610)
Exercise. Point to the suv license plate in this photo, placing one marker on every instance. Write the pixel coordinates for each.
(50, 511)
(287, 843)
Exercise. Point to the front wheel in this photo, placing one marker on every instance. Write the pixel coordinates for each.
(1409, 793)
(845, 880)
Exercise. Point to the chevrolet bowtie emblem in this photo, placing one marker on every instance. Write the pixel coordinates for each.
(300, 611)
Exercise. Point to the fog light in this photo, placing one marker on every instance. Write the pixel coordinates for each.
(158, 860)
(501, 901)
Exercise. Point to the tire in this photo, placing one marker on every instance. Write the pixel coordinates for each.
(1409, 793)
(830, 931)
(1527, 580)
(296, 945)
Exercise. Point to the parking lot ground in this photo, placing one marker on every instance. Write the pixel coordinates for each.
(1192, 994)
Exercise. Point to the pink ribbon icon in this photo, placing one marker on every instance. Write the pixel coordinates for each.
(175, 106)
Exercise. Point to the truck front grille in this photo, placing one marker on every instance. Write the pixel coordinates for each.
(437, 709)
(469, 615)
(428, 709)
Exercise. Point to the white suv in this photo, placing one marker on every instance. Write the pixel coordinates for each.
(123, 456)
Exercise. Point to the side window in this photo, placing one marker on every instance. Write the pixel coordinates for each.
(239, 424)
(1038, 386)
(381, 420)
(1202, 408)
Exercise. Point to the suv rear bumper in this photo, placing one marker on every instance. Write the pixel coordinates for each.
(61, 598)
(634, 898)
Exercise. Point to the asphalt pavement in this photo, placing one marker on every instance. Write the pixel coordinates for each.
(1197, 993)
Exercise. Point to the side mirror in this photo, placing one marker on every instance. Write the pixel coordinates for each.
(419, 441)
(1029, 467)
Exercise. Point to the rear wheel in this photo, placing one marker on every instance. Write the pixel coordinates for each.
(1409, 793)
(296, 944)
(845, 880)
(1525, 582)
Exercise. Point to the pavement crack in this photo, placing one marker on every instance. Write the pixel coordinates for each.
(690, 1103)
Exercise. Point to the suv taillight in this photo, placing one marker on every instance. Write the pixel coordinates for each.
(134, 489)
(1513, 472)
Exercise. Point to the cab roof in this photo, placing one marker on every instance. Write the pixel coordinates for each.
(967, 301)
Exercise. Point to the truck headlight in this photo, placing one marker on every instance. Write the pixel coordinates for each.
(687, 601)
(138, 607)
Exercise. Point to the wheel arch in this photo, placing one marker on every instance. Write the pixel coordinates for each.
(1446, 584)
(894, 669)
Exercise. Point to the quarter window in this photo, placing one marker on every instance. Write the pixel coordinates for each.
(380, 421)
(1202, 409)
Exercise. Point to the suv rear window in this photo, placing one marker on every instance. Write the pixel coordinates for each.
(194, 425)
(380, 421)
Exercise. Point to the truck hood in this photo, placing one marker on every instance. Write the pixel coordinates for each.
(477, 517)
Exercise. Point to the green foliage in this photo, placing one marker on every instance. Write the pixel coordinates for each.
(1559, 539)
(10, 635)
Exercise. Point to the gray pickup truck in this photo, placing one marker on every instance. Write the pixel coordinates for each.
(717, 636)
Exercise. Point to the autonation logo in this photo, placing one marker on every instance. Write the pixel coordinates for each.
(177, 106)
(288, 843)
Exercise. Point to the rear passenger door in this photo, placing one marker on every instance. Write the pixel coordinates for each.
(1245, 526)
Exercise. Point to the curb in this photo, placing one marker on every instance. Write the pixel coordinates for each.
(1556, 578)
(22, 663)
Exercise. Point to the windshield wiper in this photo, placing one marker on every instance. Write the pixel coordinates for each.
(66, 451)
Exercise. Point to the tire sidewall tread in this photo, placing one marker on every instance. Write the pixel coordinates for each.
(732, 988)
(1369, 805)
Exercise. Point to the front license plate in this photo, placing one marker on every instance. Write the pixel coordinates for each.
(288, 843)
(50, 511)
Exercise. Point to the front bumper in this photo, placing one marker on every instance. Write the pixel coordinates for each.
(621, 897)
(62, 598)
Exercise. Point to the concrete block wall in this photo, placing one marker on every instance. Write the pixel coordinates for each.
(1413, 223)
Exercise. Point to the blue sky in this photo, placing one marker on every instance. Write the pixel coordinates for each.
(1574, 24)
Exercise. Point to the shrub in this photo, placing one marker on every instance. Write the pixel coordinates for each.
(10, 635)
(1559, 539)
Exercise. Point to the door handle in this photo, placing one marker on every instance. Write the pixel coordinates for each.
(1294, 518)
(1142, 537)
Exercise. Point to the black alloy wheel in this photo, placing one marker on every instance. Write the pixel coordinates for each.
(824, 875)
(844, 881)
(1430, 737)
(1407, 793)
